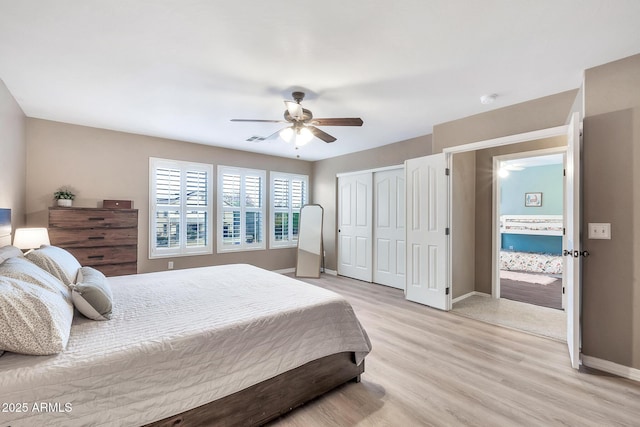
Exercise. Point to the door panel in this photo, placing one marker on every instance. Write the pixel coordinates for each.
(389, 233)
(355, 226)
(571, 265)
(426, 217)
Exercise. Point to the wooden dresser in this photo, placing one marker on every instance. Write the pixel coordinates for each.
(106, 239)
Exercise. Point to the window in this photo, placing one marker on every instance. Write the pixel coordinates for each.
(288, 195)
(240, 209)
(180, 208)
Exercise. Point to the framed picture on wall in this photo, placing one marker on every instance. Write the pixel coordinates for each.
(532, 199)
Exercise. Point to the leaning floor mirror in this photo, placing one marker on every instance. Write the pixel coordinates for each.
(309, 256)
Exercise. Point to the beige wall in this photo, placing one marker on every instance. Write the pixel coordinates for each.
(325, 182)
(542, 113)
(611, 169)
(13, 160)
(102, 164)
(462, 230)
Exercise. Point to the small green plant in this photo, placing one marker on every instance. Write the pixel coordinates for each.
(64, 193)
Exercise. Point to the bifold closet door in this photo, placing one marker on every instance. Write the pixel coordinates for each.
(355, 205)
(427, 237)
(388, 228)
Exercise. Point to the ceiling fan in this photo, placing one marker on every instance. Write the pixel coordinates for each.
(303, 125)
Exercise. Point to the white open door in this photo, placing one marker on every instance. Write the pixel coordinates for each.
(355, 249)
(388, 230)
(427, 237)
(572, 250)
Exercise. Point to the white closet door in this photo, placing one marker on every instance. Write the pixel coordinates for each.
(426, 223)
(355, 229)
(389, 230)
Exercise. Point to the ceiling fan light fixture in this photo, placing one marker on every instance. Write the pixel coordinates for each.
(287, 134)
(303, 136)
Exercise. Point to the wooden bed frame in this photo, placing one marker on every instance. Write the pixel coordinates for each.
(272, 398)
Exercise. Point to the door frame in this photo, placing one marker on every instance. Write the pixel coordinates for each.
(571, 130)
(495, 218)
(490, 143)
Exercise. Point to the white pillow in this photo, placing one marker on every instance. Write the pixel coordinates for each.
(26, 271)
(9, 251)
(56, 261)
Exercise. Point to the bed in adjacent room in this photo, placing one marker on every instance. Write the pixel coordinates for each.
(233, 344)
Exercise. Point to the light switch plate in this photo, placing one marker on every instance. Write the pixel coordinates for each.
(600, 230)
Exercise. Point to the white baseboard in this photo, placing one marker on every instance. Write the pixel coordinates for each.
(611, 367)
(470, 294)
(330, 272)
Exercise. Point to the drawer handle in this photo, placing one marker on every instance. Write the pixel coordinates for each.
(96, 237)
(95, 256)
(96, 219)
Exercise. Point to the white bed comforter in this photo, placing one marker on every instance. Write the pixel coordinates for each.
(177, 340)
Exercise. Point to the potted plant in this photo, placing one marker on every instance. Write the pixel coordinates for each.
(64, 196)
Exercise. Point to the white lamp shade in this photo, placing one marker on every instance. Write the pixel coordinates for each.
(286, 134)
(30, 238)
(303, 136)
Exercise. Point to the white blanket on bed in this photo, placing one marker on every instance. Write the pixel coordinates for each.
(177, 340)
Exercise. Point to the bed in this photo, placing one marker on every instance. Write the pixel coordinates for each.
(531, 243)
(229, 345)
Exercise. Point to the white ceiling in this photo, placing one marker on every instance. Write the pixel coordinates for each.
(182, 69)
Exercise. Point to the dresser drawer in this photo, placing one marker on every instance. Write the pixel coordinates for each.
(117, 269)
(105, 255)
(91, 237)
(93, 218)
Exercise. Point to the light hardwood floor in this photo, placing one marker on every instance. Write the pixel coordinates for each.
(431, 368)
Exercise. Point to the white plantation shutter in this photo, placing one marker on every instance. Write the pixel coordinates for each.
(298, 193)
(167, 186)
(288, 195)
(231, 190)
(180, 208)
(240, 209)
(280, 193)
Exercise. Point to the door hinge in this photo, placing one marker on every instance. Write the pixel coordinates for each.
(564, 172)
(563, 290)
(564, 231)
(447, 171)
(446, 291)
(446, 231)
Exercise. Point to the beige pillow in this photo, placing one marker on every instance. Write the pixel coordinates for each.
(92, 294)
(34, 319)
(56, 261)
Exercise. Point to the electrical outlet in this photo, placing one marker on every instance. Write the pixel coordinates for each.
(599, 230)
(170, 265)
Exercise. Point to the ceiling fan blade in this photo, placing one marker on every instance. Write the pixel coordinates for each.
(350, 121)
(258, 120)
(321, 134)
(295, 109)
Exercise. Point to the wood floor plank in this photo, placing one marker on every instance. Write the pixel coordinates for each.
(432, 368)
